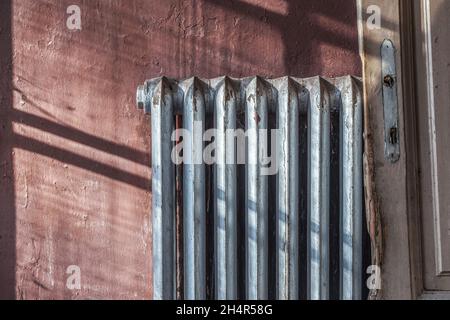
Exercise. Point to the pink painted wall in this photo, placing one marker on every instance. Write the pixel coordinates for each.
(75, 152)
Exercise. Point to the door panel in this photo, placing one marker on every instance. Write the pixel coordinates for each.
(433, 94)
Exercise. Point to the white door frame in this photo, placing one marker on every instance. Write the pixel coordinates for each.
(392, 200)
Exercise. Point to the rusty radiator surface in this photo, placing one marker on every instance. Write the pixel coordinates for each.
(270, 173)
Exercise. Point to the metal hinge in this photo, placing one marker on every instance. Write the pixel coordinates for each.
(390, 102)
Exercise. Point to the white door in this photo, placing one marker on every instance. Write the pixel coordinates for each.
(433, 115)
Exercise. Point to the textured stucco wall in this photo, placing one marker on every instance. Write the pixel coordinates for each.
(75, 152)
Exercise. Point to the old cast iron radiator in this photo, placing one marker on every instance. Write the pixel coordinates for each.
(249, 231)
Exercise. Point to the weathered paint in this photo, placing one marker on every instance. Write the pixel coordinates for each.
(334, 169)
(75, 153)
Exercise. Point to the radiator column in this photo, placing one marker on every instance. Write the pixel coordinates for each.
(163, 193)
(319, 191)
(256, 113)
(194, 202)
(352, 187)
(288, 196)
(225, 194)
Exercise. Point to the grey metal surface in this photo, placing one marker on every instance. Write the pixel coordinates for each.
(256, 192)
(390, 101)
(163, 191)
(194, 192)
(288, 196)
(246, 203)
(319, 189)
(226, 194)
(351, 146)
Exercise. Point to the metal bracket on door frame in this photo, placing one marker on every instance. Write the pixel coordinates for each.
(390, 102)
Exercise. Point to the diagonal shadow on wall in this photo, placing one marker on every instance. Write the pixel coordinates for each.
(11, 140)
(293, 40)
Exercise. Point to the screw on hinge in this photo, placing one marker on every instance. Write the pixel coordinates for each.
(140, 97)
(393, 136)
(389, 81)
